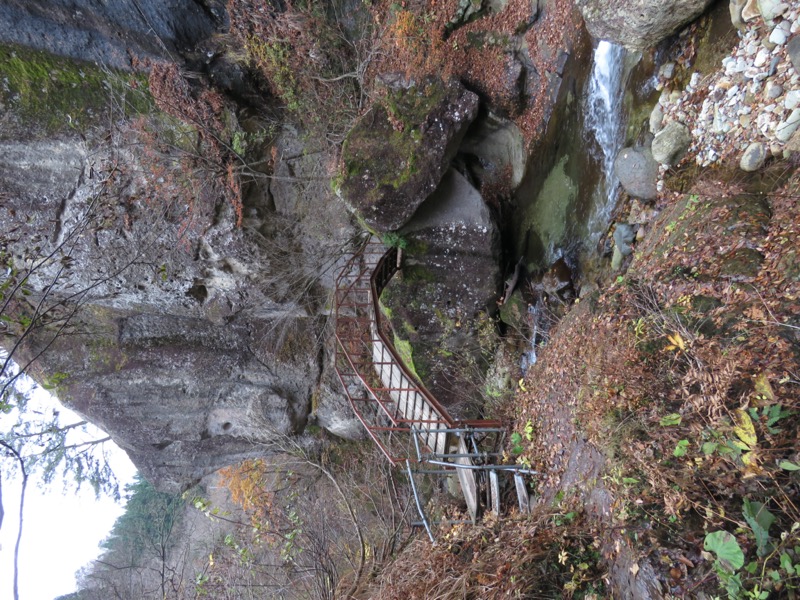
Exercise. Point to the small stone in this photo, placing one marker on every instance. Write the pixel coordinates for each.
(623, 238)
(750, 10)
(774, 90)
(792, 100)
(775, 149)
(656, 118)
(773, 66)
(667, 70)
(741, 64)
(770, 9)
(786, 128)
(754, 157)
(761, 58)
(780, 34)
(745, 121)
(755, 74)
(616, 259)
(793, 50)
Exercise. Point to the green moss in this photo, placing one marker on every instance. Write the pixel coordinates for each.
(418, 274)
(51, 94)
(405, 353)
(384, 146)
(385, 310)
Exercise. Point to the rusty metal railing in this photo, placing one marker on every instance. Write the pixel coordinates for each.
(396, 408)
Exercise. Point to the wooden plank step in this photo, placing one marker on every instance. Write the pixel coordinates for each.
(466, 477)
(494, 490)
(523, 497)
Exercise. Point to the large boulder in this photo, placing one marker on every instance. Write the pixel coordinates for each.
(450, 274)
(395, 156)
(637, 172)
(638, 24)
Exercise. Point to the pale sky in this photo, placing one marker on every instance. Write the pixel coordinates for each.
(62, 530)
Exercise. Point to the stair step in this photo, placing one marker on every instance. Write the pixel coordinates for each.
(523, 497)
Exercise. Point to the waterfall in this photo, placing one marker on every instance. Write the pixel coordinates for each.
(604, 122)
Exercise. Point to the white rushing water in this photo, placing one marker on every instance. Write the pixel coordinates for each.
(604, 120)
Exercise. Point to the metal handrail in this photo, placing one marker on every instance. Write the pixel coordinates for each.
(380, 275)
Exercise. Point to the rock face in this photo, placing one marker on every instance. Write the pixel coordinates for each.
(109, 32)
(638, 24)
(191, 342)
(396, 155)
(637, 172)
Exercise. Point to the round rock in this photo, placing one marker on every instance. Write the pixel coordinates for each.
(753, 157)
(671, 143)
(637, 172)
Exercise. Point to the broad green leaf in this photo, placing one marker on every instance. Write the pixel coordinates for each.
(516, 438)
(788, 466)
(760, 520)
(630, 480)
(670, 420)
(709, 447)
(680, 449)
(786, 563)
(743, 427)
(726, 549)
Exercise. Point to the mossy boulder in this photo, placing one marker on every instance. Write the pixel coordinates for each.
(439, 303)
(396, 154)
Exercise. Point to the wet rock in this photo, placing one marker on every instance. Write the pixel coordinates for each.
(754, 157)
(521, 80)
(671, 143)
(638, 24)
(623, 238)
(110, 33)
(498, 145)
(637, 172)
(557, 278)
(396, 154)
